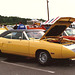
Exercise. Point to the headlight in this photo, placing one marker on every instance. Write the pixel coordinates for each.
(70, 47)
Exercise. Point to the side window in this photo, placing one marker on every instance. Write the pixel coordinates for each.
(15, 35)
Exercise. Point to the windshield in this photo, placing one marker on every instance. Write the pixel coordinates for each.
(35, 35)
(70, 32)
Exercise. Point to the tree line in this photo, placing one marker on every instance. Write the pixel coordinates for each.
(13, 20)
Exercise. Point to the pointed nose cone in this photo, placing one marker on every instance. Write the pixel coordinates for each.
(67, 53)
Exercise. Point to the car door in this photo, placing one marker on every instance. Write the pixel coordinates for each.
(16, 43)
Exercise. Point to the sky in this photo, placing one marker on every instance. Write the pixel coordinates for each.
(37, 9)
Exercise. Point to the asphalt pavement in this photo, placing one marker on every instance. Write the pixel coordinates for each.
(18, 65)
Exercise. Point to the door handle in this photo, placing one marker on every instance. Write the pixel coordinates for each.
(9, 42)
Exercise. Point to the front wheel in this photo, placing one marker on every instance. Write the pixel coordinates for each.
(43, 57)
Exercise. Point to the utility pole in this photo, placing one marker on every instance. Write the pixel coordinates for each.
(47, 9)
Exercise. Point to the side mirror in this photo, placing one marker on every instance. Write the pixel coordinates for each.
(20, 38)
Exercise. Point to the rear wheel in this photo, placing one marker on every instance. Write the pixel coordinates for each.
(43, 57)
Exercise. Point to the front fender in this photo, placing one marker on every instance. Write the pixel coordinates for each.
(53, 48)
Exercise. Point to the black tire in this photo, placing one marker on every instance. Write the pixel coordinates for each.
(43, 57)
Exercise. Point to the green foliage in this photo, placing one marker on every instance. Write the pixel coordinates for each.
(13, 20)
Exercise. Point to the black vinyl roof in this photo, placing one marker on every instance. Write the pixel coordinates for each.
(20, 30)
(26, 30)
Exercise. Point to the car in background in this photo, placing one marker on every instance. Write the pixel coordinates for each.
(69, 33)
(36, 44)
(2, 30)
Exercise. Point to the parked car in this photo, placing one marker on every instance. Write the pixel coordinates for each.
(2, 30)
(69, 33)
(34, 43)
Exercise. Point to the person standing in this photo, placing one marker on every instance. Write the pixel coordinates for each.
(21, 26)
(15, 27)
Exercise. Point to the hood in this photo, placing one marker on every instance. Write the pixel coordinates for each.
(58, 27)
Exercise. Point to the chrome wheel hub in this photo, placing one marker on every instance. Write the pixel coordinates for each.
(43, 57)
